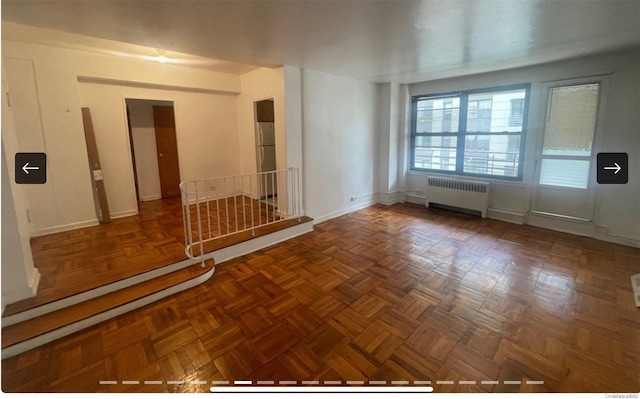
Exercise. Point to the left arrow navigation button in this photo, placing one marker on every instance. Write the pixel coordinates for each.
(31, 168)
(26, 168)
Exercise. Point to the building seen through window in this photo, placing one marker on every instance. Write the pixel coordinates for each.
(478, 132)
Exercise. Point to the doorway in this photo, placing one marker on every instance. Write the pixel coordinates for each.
(154, 149)
(266, 150)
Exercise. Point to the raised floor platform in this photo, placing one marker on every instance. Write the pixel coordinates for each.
(92, 274)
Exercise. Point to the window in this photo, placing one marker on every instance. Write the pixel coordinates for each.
(568, 135)
(477, 132)
(517, 112)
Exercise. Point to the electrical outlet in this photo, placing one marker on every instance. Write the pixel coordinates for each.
(635, 283)
(353, 198)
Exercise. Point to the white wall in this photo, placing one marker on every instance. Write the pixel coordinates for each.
(617, 207)
(66, 201)
(19, 276)
(293, 116)
(339, 132)
(143, 133)
(206, 133)
(29, 136)
(261, 84)
(389, 140)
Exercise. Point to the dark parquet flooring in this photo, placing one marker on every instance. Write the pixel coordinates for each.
(397, 293)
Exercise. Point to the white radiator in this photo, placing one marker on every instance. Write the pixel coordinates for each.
(463, 194)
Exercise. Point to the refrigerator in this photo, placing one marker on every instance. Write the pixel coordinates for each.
(266, 154)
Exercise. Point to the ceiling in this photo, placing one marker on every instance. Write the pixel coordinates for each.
(377, 41)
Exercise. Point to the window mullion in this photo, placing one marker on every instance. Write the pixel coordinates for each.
(462, 129)
(414, 131)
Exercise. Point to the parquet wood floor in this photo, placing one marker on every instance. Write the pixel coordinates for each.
(231, 214)
(75, 261)
(398, 293)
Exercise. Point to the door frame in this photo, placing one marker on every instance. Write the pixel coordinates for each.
(604, 81)
(133, 154)
(255, 126)
(256, 140)
(151, 97)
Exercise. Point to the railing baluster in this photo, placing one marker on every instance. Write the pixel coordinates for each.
(299, 199)
(218, 207)
(253, 231)
(278, 189)
(273, 194)
(235, 202)
(259, 188)
(226, 205)
(244, 210)
(266, 198)
(293, 190)
(289, 195)
(199, 226)
(187, 213)
(285, 198)
(206, 187)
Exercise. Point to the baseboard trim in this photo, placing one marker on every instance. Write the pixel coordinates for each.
(29, 291)
(35, 281)
(415, 199)
(629, 242)
(124, 214)
(506, 216)
(332, 215)
(151, 197)
(79, 225)
(388, 198)
(571, 226)
(66, 227)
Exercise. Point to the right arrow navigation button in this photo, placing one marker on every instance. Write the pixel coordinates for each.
(613, 168)
(616, 167)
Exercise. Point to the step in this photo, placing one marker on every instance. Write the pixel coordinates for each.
(87, 287)
(41, 304)
(37, 326)
(39, 330)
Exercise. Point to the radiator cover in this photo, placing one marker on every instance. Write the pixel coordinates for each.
(471, 195)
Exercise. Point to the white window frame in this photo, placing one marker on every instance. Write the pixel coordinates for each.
(599, 137)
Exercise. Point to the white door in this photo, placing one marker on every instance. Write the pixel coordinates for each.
(565, 164)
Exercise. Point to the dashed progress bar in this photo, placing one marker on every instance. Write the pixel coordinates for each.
(327, 386)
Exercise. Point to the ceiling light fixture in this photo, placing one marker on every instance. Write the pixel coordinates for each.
(161, 58)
